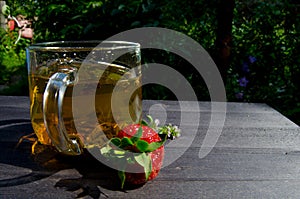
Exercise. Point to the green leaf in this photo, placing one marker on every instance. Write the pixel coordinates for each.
(143, 122)
(135, 23)
(150, 119)
(121, 7)
(142, 145)
(122, 177)
(145, 161)
(126, 142)
(116, 141)
(6, 10)
(153, 146)
(138, 135)
(151, 122)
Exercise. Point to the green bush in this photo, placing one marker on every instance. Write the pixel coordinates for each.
(268, 33)
(12, 63)
(264, 55)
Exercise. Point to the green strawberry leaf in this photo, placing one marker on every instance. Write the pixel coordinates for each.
(153, 146)
(145, 161)
(116, 141)
(126, 142)
(150, 119)
(142, 145)
(122, 177)
(151, 122)
(143, 122)
(137, 135)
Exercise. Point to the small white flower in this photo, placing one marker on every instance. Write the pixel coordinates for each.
(156, 121)
(176, 128)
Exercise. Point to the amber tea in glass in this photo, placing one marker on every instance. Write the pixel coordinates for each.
(54, 73)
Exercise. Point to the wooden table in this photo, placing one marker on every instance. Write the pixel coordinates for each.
(256, 156)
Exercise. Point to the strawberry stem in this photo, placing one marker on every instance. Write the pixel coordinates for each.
(122, 177)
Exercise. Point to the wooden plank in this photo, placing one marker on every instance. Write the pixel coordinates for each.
(225, 164)
(235, 119)
(14, 101)
(284, 138)
(213, 189)
(237, 114)
(206, 106)
(165, 190)
(261, 138)
(232, 174)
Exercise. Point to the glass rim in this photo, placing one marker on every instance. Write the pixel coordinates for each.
(83, 45)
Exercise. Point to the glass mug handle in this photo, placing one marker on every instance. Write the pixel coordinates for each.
(52, 110)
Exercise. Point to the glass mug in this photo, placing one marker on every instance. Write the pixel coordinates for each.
(55, 69)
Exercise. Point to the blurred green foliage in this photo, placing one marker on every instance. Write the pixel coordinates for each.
(265, 52)
(12, 63)
(270, 32)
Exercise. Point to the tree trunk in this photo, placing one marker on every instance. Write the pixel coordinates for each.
(2, 17)
(224, 35)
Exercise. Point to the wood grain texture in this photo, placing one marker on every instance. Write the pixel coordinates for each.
(256, 156)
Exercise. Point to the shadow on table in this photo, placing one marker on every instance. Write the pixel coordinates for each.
(46, 161)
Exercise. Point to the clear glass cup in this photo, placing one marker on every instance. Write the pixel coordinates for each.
(95, 69)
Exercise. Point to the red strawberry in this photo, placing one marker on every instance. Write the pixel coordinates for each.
(137, 151)
(150, 136)
(11, 25)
